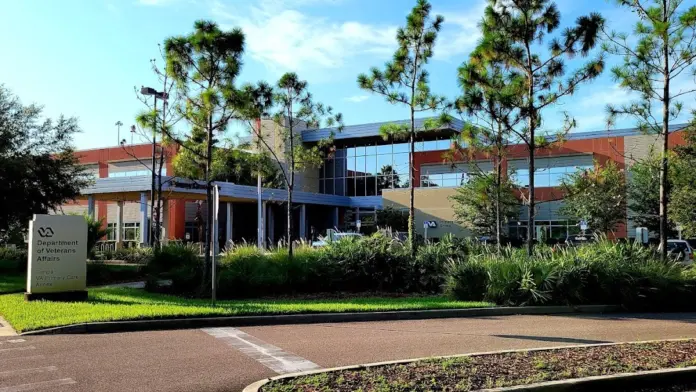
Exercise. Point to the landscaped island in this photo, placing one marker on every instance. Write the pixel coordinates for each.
(470, 373)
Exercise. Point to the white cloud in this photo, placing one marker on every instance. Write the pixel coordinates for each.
(460, 32)
(154, 2)
(284, 38)
(357, 98)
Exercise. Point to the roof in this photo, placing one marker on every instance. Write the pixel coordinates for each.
(228, 189)
(616, 132)
(369, 130)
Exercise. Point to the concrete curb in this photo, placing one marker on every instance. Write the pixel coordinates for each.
(649, 378)
(315, 318)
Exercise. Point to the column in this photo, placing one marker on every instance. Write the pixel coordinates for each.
(90, 206)
(270, 224)
(119, 224)
(262, 225)
(144, 227)
(303, 221)
(335, 217)
(228, 232)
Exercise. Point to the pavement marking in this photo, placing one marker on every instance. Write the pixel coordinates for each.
(28, 371)
(37, 385)
(29, 358)
(2, 350)
(272, 357)
(13, 341)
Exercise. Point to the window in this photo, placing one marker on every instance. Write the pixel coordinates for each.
(131, 231)
(546, 177)
(132, 173)
(443, 180)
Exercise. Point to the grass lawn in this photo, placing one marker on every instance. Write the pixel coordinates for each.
(12, 283)
(108, 304)
(470, 373)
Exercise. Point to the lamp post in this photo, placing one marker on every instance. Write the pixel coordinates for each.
(118, 131)
(162, 95)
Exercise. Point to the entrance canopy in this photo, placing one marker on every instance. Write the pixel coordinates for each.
(130, 188)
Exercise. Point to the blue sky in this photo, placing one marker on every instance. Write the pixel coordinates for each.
(83, 57)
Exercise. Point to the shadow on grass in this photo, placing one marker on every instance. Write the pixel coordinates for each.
(552, 339)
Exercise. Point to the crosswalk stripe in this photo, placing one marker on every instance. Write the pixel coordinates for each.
(37, 385)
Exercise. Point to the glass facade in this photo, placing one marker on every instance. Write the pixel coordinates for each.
(548, 229)
(367, 170)
(546, 177)
(443, 180)
(131, 231)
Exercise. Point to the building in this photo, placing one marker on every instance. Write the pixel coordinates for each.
(364, 174)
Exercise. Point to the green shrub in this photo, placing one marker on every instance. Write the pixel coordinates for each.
(180, 263)
(466, 280)
(603, 273)
(13, 260)
(103, 274)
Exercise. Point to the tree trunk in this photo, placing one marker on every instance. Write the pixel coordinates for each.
(532, 147)
(152, 230)
(291, 185)
(498, 185)
(664, 164)
(209, 202)
(411, 190)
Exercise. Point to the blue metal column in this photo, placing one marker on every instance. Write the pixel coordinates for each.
(303, 221)
(90, 206)
(144, 226)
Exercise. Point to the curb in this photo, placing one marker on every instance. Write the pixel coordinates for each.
(315, 318)
(648, 378)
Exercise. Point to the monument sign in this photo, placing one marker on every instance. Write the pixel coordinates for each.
(57, 267)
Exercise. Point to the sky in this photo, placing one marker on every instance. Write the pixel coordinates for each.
(84, 58)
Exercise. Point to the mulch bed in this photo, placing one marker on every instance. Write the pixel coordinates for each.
(472, 373)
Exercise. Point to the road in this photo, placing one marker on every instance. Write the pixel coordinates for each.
(227, 359)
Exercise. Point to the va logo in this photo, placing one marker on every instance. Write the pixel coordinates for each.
(45, 232)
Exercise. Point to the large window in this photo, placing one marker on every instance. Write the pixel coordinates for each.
(543, 229)
(546, 177)
(367, 170)
(443, 180)
(131, 231)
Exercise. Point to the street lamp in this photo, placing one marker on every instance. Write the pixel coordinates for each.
(118, 130)
(163, 96)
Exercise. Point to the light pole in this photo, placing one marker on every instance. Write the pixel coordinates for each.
(118, 131)
(162, 95)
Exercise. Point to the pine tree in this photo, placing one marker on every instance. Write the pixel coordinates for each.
(405, 81)
(489, 93)
(204, 66)
(293, 109)
(661, 48)
(512, 34)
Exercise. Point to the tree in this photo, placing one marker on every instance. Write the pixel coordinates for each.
(482, 205)
(393, 218)
(661, 48)
(293, 109)
(38, 167)
(682, 182)
(231, 164)
(156, 121)
(644, 192)
(596, 195)
(513, 32)
(488, 101)
(204, 66)
(405, 81)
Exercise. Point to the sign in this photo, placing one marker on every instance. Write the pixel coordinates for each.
(57, 254)
(583, 225)
(430, 224)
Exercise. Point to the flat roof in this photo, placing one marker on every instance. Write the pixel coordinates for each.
(370, 130)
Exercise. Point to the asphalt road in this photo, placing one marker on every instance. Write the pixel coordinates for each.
(227, 359)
